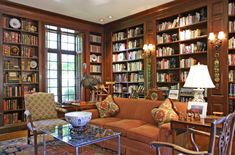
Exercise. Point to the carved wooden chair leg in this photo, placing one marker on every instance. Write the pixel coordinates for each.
(35, 143)
(28, 137)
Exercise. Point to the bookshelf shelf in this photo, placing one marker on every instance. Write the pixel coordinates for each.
(181, 42)
(128, 60)
(20, 51)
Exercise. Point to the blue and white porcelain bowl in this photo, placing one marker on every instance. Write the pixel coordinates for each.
(78, 118)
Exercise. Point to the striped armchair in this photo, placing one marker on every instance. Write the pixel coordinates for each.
(40, 113)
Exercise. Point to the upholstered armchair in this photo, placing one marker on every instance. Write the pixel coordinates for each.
(40, 112)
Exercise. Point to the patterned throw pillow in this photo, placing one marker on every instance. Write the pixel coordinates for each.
(107, 107)
(165, 112)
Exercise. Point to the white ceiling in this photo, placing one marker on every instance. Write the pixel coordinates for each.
(94, 10)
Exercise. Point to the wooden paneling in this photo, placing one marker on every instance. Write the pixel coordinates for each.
(217, 21)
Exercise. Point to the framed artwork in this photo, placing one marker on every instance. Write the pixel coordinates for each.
(174, 94)
(198, 107)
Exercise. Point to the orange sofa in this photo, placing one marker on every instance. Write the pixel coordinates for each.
(136, 125)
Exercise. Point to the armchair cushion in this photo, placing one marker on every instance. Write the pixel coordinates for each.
(164, 113)
(107, 107)
(41, 106)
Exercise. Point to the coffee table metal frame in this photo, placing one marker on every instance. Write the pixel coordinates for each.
(91, 139)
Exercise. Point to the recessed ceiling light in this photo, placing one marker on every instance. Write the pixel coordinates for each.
(101, 20)
(110, 17)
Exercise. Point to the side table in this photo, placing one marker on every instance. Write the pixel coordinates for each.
(178, 126)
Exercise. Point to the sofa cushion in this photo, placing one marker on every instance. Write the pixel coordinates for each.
(124, 125)
(103, 121)
(144, 133)
(107, 107)
(165, 112)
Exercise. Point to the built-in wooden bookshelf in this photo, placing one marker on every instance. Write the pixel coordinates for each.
(19, 66)
(128, 60)
(231, 55)
(181, 43)
(96, 51)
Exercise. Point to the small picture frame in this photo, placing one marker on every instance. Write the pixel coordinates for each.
(173, 94)
(198, 107)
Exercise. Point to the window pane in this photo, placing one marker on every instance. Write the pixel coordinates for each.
(65, 75)
(71, 58)
(71, 98)
(65, 98)
(52, 90)
(65, 82)
(53, 65)
(64, 58)
(52, 83)
(51, 27)
(52, 56)
(72, 82)
(70, 47)
(71, 39)
(65, 91)
(52, 36)
(71, 66)
(67, 30)
(53, 74)
(64, 66)
(71, 90)
(71, 74)
(64, 46)
(53, 45)
(64, 38)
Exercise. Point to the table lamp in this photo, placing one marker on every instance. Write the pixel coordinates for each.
(199, 78)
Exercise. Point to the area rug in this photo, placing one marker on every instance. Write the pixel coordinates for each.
(19, 146)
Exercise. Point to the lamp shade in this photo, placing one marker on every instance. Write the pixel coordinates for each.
(199, 77)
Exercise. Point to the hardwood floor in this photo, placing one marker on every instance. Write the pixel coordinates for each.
(13, 135)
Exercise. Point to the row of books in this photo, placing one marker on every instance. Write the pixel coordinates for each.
(231, 8)
(231, 42)
(121, 77)
(168, 24)
(119, 46)
(95, 48)
(134, 55)
(231, 76)
(165, 51)
(10, 105)
(137, 88)
(186, 63)
(167, 63)
(28, 52)
(12, 91)
(135, 43)
(231, 26)
(232, 89)
(11, 37)
(95, 38)
(136, 77)
(167, 77)
(189, 34)
(11, 118)
(135, 66)
(133, 32)
(167, 38)
(133, 77)
(95, 68)
(231, 104)
(119, 36)
(29, 89)
(193, 48)
(29, 39)
(183, 76)
(119, 67)
(231, 59)
(190, 19)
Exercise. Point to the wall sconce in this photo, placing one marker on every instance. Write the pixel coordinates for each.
(216, 41)
(148, 48)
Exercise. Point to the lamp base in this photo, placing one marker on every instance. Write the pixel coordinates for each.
(198, 95)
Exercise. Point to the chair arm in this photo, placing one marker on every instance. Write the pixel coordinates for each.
(180, 149)
(95, 113)
(191, 130)
(59, 109)
(29, 121)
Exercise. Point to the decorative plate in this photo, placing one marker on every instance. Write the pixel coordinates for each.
(154, 96)
(33, 64)
(94, 58)
(15, 23)
(14, 51)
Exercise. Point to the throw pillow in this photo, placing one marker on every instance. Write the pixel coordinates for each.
(107, 107)
(165, 112)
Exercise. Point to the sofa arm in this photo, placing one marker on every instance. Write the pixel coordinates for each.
(166, 133)
(95, 113)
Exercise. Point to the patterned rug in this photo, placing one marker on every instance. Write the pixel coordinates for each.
(19, 146)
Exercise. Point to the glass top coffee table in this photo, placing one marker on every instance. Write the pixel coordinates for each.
(92, 134)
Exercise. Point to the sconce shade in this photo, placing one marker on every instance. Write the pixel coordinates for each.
(145, 47)
(199, 77)
(211, 36)
(150, 47)
(221, 35)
